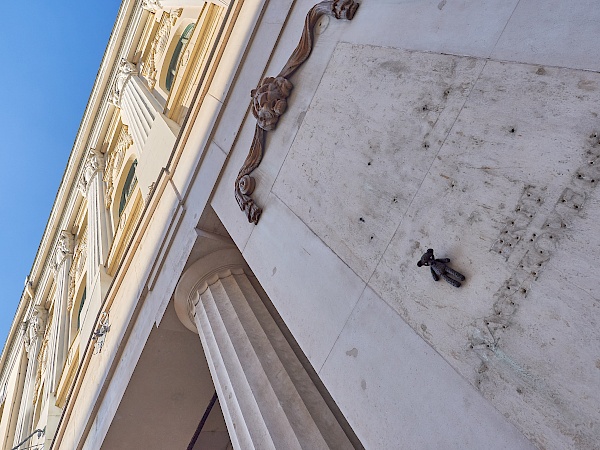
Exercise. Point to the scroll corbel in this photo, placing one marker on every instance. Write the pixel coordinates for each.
(269, 100)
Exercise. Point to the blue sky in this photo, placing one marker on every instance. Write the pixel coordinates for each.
(50, 52)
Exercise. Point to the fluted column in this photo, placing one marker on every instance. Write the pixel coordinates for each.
(35, 332)
(139, 108)
(93, 187)
(266, 395)
(58, 344)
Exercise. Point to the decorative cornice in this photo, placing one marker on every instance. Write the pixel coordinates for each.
(125, 71)
(269, 100)
(114, 163)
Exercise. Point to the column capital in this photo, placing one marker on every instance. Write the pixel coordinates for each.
(125, 70)
(198, 276)
(94, 162)
(36, 326)
(64, 247)
(151, 5)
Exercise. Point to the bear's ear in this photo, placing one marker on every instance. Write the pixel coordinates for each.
(429, 250)
(420, 263)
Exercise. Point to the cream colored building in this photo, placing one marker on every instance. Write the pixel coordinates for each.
(263, 249)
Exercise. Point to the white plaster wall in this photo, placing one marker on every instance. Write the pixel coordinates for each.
(421, 119)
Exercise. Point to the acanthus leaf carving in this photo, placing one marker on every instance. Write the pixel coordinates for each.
(64, 247)
(152, 5)
(114, 162)
(35, 327)
(124, 72)
(78, 266)
(93, 163)
(269, 100)
(158, 46)
(42, 361)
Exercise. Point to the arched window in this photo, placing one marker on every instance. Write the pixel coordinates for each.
(172, 70)
(81, 303)
(130, 183)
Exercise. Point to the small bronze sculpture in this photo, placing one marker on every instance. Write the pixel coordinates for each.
(440, 269)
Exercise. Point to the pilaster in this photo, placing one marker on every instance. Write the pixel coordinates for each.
(35, 331)
(92, 185)
(59, 333)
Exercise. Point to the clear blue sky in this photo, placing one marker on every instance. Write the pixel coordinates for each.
(50, 52)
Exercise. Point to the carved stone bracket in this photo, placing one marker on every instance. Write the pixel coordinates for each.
(269, 100)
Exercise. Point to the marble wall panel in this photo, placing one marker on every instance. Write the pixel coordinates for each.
(415, 398)
(554, 32)
(371, 134)
(509, 192)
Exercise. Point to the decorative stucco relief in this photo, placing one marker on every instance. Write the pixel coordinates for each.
(125, 71)
(114, 162)
(151, 5)
(42, 361)
(93, 163)
(269, 100)
(64, 247)
(78, 266)
(158, 46)
(35, 327)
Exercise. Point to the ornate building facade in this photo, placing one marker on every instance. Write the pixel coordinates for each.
(231, 260)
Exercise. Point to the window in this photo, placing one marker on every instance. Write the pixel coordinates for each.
(172, 70)
(130, 183)
(81, 303)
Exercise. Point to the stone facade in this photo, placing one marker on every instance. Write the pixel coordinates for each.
(250, 232)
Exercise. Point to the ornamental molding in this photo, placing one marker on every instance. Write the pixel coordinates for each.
(78, 266)
(269, 100)
(197, 278)
(35, 327)
(124, 72)
(158, 46)
(94, 162)
(64, 247)
(42, 361)
(152, 5)
(115, 162)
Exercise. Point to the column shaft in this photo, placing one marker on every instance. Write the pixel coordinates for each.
(268, 399)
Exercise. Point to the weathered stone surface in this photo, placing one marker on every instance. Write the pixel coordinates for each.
(351, 183)
(509, 199)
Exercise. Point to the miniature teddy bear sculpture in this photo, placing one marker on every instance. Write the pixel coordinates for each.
(440, 269)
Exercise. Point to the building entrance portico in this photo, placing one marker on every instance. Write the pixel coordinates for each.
(168, 394)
